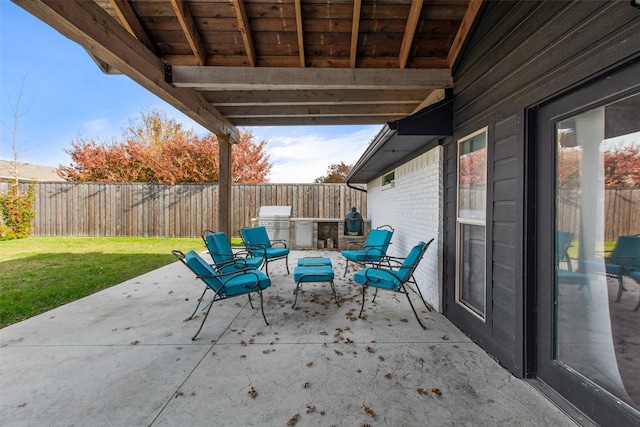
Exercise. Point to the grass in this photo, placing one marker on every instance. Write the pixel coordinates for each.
(574, 249)
(38, 274)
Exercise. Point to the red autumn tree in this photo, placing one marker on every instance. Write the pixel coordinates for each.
(160, 150)
(473, 171)
(621, 166)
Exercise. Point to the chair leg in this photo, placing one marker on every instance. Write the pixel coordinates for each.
(620, 288)
(346, 267)
(286, 263)
(375, 294)
(421, 297)
(266, 267)
(295, 292)
(364, 291)
(335, 295)
(412, 307)
(199, 302)
(250, 302)
(203, 320)
(262, 308)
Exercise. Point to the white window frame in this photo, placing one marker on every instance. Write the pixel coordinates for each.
(460, 221)
(389, 183)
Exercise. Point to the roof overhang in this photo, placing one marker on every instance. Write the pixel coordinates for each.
(402, 140)
(230, 63)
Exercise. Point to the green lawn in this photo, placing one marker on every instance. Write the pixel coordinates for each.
(574, 249)
(41, 273)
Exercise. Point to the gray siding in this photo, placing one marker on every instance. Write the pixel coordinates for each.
(520, 55)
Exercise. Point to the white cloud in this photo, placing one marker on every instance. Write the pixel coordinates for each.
(96, 127)
(302, 154)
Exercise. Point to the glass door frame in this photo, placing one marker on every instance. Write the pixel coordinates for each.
(594, 401)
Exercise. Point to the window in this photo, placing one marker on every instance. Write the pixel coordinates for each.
(389, 179)
(470, 248)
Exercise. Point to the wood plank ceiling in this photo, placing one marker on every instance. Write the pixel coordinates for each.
(231, 63)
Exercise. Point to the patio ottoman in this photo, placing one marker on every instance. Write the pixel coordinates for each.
(313, 270)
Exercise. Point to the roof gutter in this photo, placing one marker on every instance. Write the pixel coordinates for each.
(378, 141)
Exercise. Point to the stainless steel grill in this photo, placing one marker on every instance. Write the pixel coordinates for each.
(277, 220)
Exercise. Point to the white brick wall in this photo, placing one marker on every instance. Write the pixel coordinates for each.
(413, 207)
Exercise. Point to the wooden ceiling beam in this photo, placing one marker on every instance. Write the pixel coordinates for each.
(245, 30)
(190, 31)
(409, 32)
(355, 30)
(463, 31)
(316, 120)
(93, 28)
(236, 78)
(315, 97)
(130, 21)
(317, 110)
(300, 32)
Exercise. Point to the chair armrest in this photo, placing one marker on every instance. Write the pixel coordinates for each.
(374, 251)
(259, 248)
(243, 272)
(629, 264)
(234, 261)
(279, 242)
(241, 254)
(393, 260)
(228, 275)
(351, 245)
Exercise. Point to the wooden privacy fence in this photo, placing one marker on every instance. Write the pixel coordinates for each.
(621, 212)
(184, 210)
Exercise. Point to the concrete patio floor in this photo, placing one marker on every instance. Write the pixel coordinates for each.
(124, 357)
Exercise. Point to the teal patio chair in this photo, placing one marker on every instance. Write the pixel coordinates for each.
(257, 242)
(374, 250)
(224, 258)
(396, 279)
(563, 242)
(624, 260)
(635, 275)
(223, 285)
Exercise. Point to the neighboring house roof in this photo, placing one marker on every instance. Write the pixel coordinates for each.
(28, 171)
(402, 140)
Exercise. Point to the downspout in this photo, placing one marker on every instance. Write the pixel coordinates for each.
(355, 188)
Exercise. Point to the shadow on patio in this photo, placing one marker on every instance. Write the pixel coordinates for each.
(124, 356)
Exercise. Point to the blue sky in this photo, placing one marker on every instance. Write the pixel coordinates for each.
(65, 96)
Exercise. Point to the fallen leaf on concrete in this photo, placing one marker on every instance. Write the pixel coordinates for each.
(368, 411)
(293, 420)
(253, 393)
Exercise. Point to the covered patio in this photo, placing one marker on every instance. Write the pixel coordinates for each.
(124, 356)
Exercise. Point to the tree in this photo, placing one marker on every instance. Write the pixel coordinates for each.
(250, 161)
(621, 166)
(155, 128)
(17, 208)
(336, 173)
(160, 150)
(568, 165)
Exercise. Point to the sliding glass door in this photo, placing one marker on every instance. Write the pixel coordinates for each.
(588, 207)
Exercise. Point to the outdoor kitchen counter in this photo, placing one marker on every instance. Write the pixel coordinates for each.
(309, 233)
